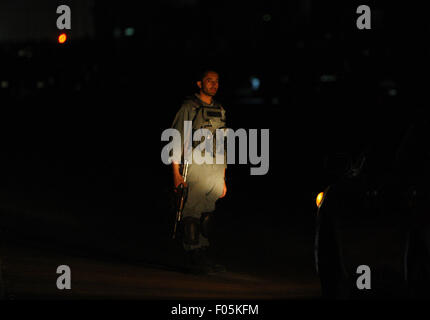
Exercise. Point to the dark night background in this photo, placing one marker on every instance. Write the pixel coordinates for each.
(81, 122)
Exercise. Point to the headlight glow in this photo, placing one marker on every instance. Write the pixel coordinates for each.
(319, 199)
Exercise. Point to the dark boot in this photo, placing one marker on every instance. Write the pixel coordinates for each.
(199, 262)
(195, 263)
(213, 265)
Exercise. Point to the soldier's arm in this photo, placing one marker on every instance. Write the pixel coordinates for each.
(177, 177)
(225, 187)
(225, 164)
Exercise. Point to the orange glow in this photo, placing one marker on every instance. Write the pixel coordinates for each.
(62, 38)
(319, 199)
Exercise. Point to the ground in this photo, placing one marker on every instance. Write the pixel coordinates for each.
(276, 264)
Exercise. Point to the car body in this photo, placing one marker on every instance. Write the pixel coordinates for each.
(375, 215)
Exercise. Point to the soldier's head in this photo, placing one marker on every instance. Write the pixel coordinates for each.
(208, 83)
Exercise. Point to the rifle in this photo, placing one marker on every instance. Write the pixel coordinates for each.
(182, 192)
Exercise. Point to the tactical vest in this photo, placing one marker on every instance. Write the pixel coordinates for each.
(210, 118)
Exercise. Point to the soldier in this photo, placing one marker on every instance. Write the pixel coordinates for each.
(206, 182)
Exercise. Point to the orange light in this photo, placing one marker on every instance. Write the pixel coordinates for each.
(320, 197)
(62, 38)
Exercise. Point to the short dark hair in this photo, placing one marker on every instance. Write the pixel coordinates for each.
(204, 73)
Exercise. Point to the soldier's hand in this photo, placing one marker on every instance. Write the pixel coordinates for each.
(224, 191)
(177, 180)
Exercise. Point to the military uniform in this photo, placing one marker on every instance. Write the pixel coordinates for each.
(205, 181)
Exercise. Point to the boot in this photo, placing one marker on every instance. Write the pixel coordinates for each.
(199, 262)
(213, 265)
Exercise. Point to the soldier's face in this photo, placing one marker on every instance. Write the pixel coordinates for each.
(209, 84)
